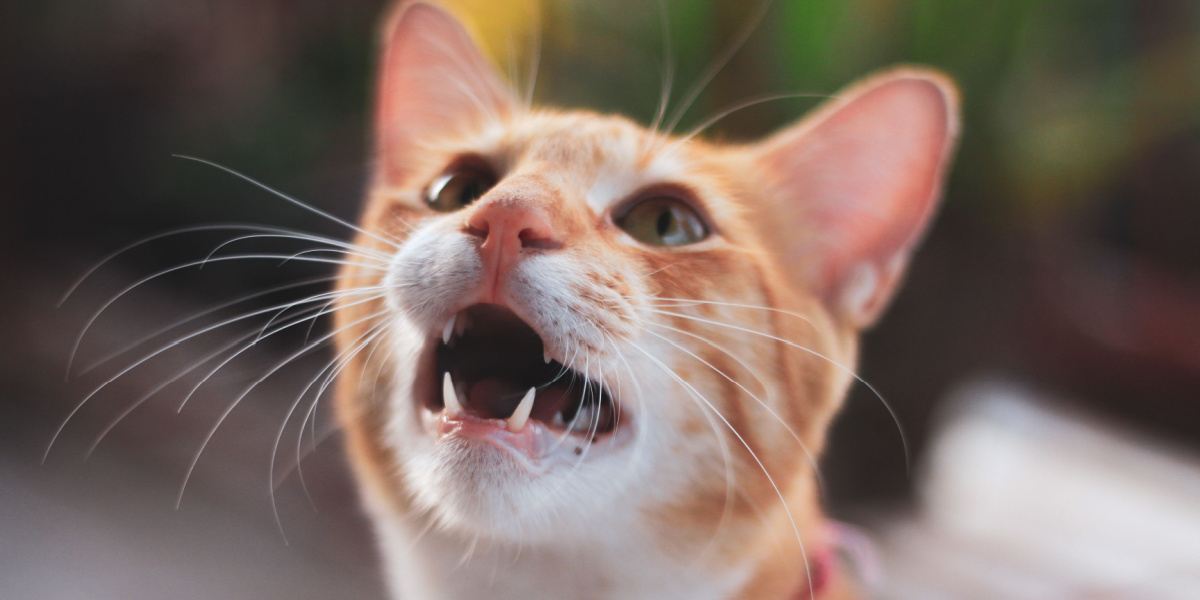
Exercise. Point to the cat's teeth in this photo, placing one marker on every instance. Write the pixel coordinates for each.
(448, 329)
(546, 356)
(449, 398)
(461, 323)
(517, 420)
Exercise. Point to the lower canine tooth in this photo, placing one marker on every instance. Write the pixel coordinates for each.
(449, 398)
(520, 416)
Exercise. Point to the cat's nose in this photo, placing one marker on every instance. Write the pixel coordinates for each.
(507, 226)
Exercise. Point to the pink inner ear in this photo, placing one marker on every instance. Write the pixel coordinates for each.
(860, 180)
(433, 82)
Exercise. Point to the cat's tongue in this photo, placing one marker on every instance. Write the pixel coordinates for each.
(493, 398)
(496, 398)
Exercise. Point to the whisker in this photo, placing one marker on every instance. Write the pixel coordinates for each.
(203, 313)
(310, 415)
(668, 66)
(351, 249)
(778, 492)
(740, 106)
(104, 307)
(810, 351)
(180, 375)
(324, 311)
(158, 236)
(340, 359)
(229, 409)
(290, 199)
(665, 301)
(722, 349)
(717, 66)
(726, 455)
(75, 410)
(535, 61)
(812, 461)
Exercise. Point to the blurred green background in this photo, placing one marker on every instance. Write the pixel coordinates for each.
(1067, 253)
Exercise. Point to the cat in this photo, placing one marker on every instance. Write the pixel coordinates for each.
(605, 357)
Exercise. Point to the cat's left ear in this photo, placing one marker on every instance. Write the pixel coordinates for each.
(433, 82)
(853, 186)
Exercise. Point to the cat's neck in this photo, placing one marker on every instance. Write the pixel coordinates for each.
(441, 565)
(426, 563)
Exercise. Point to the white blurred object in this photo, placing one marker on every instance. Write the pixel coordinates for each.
(1022, 501)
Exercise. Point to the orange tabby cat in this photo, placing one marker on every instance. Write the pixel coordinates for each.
(607, 356)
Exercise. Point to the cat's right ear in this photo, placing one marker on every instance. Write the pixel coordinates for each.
(433, 82)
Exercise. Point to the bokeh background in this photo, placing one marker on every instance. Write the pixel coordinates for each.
(1043, 358)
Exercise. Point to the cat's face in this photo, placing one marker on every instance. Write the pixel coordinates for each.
(589, 326)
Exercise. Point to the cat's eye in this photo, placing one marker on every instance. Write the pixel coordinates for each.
(662, 220)
(458, 187)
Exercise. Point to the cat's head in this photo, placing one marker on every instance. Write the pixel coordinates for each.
(685, 312)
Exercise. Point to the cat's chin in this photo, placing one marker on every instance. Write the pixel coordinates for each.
(470, 478)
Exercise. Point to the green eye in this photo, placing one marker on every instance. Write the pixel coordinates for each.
(458, 187)
(663, 221)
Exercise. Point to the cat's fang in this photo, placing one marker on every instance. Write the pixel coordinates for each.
(450, 398)
(448, 329)
(546, 356)
(520, 415)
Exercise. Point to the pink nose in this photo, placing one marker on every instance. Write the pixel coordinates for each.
(508, 226)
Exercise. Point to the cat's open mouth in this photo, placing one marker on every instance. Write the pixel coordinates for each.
(490, 377)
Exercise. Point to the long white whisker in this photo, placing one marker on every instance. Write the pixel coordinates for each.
(726, 456)
(535, 61)
(812, 461)
(668, 66)
(778, 492)
(289, 199)
(203, 313)
(180, 231)
(104, 307)
(75, 410)
(342, 358)
(694, 92)
(663, 301)
(229, 409)
(310, 415)
(180, 375)
(350, 249)
(324, 311)
(810, 351)
(740, 106)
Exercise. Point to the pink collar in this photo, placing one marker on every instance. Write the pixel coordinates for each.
(839, 539)
(821, 565)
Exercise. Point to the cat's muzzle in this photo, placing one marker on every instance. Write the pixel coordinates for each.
(488, 376)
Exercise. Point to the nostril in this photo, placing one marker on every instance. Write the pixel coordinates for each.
(535, 238)
(479, 231)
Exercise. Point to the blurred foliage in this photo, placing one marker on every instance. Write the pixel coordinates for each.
(1057, 95)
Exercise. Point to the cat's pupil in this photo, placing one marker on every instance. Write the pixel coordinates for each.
(664, 222)
(471, 191)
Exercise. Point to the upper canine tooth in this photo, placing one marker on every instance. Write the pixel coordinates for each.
(546, 356)
(449, 398)
(447, 329)
(517, 420)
